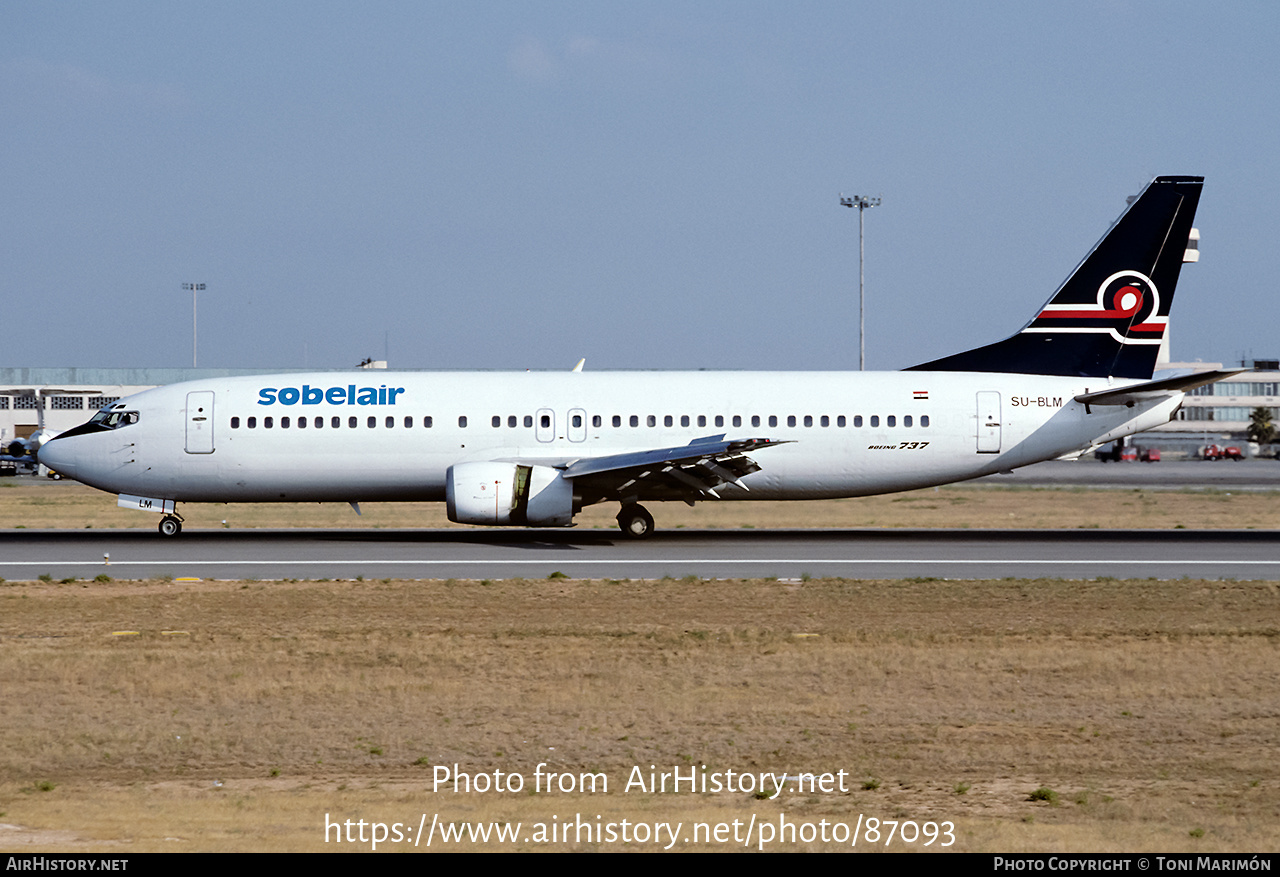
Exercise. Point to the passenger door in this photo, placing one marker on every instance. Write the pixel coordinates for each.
(988, 422)
(200, 422)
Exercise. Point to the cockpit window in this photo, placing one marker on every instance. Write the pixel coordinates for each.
(115, 419)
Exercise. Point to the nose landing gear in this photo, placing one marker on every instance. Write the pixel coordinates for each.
(170, 525)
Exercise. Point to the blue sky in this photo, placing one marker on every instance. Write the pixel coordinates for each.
(647, 185)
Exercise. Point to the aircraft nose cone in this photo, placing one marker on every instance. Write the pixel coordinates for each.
(57, 455)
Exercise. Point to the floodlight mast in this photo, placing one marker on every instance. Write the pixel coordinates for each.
(862, 202)
(194, 287)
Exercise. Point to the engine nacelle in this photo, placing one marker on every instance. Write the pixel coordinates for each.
(508, 494)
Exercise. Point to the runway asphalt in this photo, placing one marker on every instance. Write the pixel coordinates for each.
(1167, 474)
(712, 554)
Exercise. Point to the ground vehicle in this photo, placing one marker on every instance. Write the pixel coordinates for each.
(1116, 452)
(1149, 455)
(1220, 452)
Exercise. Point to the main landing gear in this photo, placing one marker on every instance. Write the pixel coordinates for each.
(170, 525)
(635, 522)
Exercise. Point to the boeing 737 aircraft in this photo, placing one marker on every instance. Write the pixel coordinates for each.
(532, 449)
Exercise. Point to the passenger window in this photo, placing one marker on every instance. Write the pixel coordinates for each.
(825, 421)
(577, 421)
(635, 421)
(373, 423)
(267, 423)
(924, 419)
(496, 421)
(652, 420)
(462, 421)
(335, 422)
(891, 421)
(596, 420)
(773, 420)
(840, 420)
(906, 420)
(755, 419)
(791, 420)
(426, 422)
(511, 422)
(545, 421)
(857, 421)
(284, 423)
(684, 419)
(302, 423)
(702, 420)
(235, 423)
(408, 422)
(719, 420)
(351, 423)
(875, 419)
(808, 420)
(252, 423)
(391, 421)
(319, 424)
(737, 420)
(528, 421)
(617, 420)
(666, 421)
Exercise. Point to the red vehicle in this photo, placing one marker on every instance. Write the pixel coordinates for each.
(1117, 452)
(1218, 452)
(1150, 455)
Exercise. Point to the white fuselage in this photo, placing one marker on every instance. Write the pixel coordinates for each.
(366, 436)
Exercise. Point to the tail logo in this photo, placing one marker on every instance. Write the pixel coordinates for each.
(1128, 309)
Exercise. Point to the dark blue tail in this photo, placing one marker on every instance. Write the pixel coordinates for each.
(1109, 317)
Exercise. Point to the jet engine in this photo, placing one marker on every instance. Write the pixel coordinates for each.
(508, 494)
(29, 447)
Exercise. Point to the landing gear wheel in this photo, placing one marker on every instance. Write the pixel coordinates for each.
(170, 526)
(635, 522)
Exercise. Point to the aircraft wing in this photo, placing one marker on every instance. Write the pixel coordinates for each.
(1148, 390)
(702, 466)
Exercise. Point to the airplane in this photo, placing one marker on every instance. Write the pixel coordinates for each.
(533, 448)
(26, 451)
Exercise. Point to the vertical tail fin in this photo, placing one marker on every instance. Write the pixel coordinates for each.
(1109, 317)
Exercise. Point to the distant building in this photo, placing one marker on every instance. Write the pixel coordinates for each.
(1219, 412)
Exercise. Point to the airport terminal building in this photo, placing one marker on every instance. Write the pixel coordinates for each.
(1220, 412)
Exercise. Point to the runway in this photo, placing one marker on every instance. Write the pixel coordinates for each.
(1227, 475)
(601, 554)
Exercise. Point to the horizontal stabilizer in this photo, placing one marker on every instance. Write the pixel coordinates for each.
(1148, 390)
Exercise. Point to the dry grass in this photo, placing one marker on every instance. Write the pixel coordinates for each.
(45, 504)
(1148, 707)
